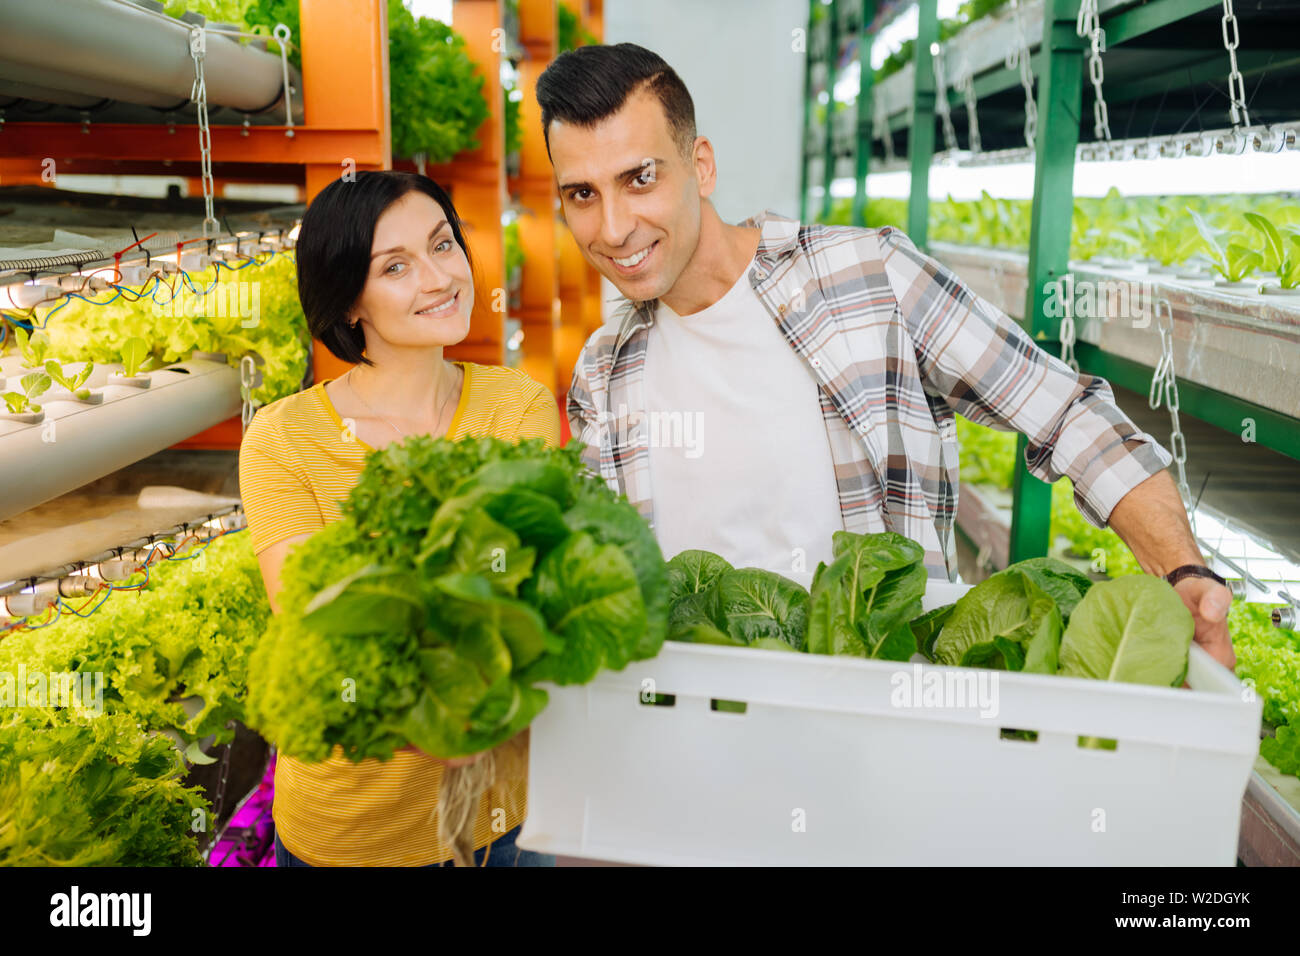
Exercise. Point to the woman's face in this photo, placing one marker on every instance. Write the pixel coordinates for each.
(418, 291)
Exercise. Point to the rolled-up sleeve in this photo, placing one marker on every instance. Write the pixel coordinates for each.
(985, 367)
(585, 421)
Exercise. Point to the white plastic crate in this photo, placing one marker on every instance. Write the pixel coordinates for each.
(824, 768)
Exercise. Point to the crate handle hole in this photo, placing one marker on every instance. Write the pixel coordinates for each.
(1097, 743)
(1024, 736)
(728, 706)
(658, 700)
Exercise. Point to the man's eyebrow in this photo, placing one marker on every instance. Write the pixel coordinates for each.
(433, 232)
(622, 177)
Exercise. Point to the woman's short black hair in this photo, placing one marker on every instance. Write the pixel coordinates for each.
(585, 85)
(334, 244)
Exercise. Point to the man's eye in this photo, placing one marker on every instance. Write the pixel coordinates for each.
(579, 194)
(646, 177)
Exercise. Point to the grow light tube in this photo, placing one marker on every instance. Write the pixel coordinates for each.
(997, 157)
(1225, 142)
(84, 577)
(1265, 576)
(28, 295)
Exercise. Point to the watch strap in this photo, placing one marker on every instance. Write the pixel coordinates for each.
(1192, 571)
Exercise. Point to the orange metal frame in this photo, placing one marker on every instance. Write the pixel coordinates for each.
(476, 180)
(536, 195)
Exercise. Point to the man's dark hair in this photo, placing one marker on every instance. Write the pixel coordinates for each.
(586, 85)
(333, 250)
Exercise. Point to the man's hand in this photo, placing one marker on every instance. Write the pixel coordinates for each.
(1152, 521)
(1208, 600)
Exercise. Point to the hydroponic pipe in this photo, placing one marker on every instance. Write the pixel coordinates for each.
(114, 49)
(90, 441)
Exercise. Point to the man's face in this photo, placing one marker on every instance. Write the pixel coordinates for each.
(629, 197)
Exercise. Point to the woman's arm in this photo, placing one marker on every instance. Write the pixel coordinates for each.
(271, 560)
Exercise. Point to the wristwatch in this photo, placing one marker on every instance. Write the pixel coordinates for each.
(1192, 571)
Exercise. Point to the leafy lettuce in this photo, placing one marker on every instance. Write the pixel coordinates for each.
(714, 603)
(1268, 658)
(460, 575)
(864, 601)
(92, 792)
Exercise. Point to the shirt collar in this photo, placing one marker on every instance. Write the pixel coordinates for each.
(779, 239)
(780, 236)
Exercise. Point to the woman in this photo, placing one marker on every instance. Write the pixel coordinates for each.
(385, 280)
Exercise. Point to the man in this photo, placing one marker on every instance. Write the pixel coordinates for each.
(769, 383)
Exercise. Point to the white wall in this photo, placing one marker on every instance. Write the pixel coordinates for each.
(735, 57)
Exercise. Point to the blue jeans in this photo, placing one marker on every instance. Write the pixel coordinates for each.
(504, 853)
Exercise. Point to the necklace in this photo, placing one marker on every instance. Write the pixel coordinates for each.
(441, 409)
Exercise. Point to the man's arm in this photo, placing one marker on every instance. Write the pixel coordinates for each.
(986, 368)
(1153, 523)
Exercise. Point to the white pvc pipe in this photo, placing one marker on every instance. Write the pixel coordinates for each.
(78, 443)
(104, 48)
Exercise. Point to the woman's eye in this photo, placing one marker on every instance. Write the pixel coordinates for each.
(389, 270)
(445, 242)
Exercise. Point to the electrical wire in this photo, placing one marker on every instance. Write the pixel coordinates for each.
(105, 588)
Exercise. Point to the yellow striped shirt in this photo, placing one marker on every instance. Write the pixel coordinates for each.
(296, 461)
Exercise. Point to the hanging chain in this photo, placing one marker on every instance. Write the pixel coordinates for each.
(1019, 57)
(941, 98)
(281, 33)
(1066, 285)
(966, 84)
(1088, 26)
(1236, 83)
(880, 124)
(199, 95)
(247, 377)
(1164, 380)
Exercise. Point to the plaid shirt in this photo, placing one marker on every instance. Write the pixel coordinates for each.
(897, 344)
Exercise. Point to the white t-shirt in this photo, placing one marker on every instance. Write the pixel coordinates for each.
(739, 459)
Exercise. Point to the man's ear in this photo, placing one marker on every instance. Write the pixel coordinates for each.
(704, 165)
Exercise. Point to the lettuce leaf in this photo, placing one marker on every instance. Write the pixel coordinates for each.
(864, 601)
(1006, 622)
(1134, 629)
(459, 575)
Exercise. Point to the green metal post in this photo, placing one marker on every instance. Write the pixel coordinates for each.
(832, 58)
(807, 113)
(920, 138)
(1060, 98)
(862, 157)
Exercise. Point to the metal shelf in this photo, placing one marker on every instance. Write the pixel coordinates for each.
(1232, 350)
(1252, 485)
(1151, 87)
(57, 230)
(1231, 355)
(1270, 819)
